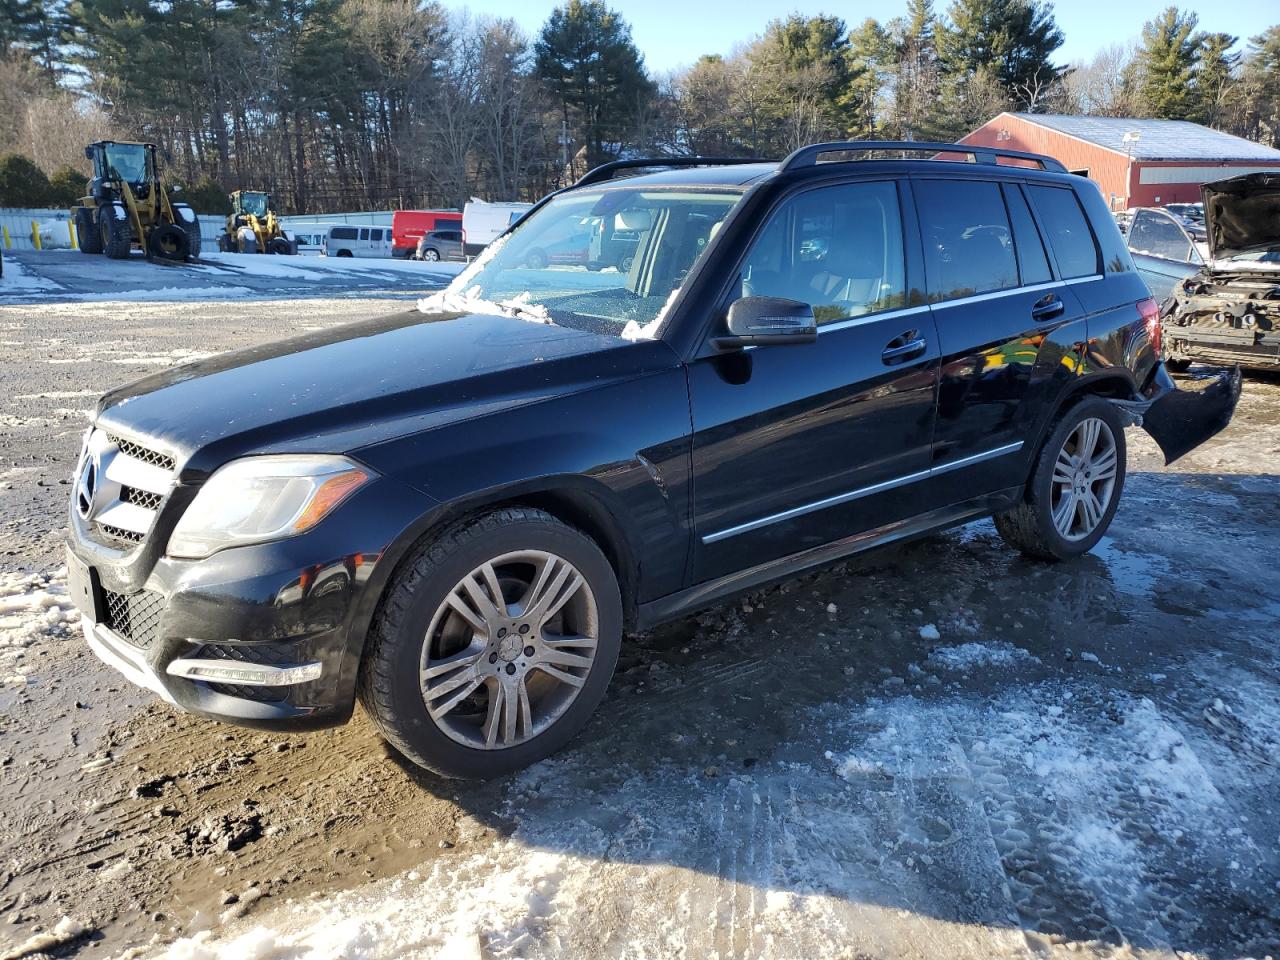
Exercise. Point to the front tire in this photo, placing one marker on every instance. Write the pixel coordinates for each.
(494, 645)
(1074, 488)
(431, 255)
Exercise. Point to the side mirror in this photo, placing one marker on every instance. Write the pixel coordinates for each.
(758, 321)
(88, 153)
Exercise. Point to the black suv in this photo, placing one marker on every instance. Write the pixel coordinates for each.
(455, 513)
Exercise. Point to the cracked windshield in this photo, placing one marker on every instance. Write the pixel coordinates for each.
(605, 261)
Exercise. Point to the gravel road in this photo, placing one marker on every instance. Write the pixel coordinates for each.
(940, 749)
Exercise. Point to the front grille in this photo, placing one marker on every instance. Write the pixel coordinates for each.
(135, 617)
(154, 457)
(119, 533)
(121, 487)
(143, 498)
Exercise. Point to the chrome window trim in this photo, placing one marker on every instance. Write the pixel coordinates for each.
(975, 298)
(861, 492)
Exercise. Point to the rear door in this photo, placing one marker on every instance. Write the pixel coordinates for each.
(1008, 329)
(797, 446)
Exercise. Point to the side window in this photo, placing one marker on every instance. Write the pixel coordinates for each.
(1158, 236)
(968, 246)
(1033, 264)
(838, 248)
(1067, 231)
(364, 233)
(343, 233)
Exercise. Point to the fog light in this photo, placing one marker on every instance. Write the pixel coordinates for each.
(249, 674)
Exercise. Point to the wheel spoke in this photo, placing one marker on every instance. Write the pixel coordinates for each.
(459, 606)
(561, 675)
(465, 658)
(497, 694)
(1094, 506)
(526, 711)
(510, 705)
(564, 658)
(1064, 512)
(1088, 442)
(1104, 468)
(559, 643)
(551, 591)
(484, 603)
(440, 710)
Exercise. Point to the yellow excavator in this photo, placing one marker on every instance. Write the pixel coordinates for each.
(253, 227)
(128, 207)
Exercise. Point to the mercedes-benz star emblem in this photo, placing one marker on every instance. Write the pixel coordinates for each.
(87, 485)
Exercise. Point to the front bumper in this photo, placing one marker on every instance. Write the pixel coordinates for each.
(268, 635)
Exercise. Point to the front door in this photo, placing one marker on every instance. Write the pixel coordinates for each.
(796, 446)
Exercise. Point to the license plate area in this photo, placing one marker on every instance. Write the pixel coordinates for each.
(84, 588)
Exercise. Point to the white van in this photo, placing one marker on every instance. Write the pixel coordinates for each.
(309, 237)
(350, 240)
(483, 223)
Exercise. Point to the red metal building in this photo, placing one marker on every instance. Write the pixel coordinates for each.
(1137, 163)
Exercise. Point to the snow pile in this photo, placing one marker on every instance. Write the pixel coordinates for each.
(969, 656)
(450, 300)
(33, 607)
(143, 294)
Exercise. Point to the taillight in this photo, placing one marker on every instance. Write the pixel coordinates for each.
(1149, 311)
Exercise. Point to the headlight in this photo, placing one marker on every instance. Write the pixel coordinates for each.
(263, 498)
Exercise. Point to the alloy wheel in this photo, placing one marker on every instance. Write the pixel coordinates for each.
(509, 649)
(1084, 479)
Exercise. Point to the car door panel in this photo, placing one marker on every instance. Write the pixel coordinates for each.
(796, 446)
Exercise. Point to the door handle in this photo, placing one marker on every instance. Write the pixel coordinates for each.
(1048, 307)
(906, 346)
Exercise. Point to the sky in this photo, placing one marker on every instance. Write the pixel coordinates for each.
(674, 33)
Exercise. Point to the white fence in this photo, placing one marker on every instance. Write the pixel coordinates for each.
(20, 227)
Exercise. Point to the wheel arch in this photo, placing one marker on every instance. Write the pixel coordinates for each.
(1112, 384)
(576, 501)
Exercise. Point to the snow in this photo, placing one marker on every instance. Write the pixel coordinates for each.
(968, 656)
(451, 300)
(930, 632)
(17, 277)
(886, 826)
(32, 608)
(143, 294)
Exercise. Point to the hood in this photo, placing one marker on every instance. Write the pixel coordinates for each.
(1242, 214)
(343, 388)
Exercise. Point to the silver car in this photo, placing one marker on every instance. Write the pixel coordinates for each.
(440, 245)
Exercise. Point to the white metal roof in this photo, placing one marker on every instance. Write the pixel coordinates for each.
(1157, 139)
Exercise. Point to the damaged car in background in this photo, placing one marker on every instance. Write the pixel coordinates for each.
(1228, 311)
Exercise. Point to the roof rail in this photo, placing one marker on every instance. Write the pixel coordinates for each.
(808, 156)
(606, 171)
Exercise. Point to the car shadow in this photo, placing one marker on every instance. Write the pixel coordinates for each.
(946, 733)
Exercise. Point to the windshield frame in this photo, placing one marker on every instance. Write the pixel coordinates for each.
(448, 299)
(255, 209)
(126, 149)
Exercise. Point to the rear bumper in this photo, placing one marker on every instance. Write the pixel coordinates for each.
(1181, 420)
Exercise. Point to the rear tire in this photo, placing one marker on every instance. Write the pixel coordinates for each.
(430, 254)
(423, 647)
(1075, 486)
(87, 234)
(279, 246)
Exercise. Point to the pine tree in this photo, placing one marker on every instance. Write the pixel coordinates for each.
(1166, 65)
(586, 56)
(1261, 74)
(1007, 42)
(1215, 77)
(917, 81)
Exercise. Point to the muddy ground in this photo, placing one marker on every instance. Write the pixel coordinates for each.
(940, 749)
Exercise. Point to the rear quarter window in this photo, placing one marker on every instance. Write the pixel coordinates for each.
(1067, 230)
(343, 233)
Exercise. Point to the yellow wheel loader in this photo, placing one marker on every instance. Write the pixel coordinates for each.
(252, 226)
(128, 206)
